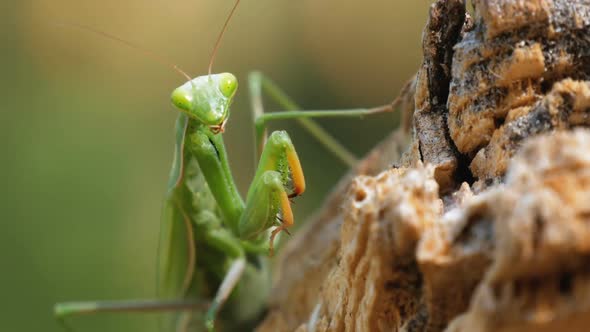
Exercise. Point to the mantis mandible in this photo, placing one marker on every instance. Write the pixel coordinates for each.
(214, 244)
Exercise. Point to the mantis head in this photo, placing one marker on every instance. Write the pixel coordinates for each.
(207, 99)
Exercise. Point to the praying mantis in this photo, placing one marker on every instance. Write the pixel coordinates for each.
(213, 261)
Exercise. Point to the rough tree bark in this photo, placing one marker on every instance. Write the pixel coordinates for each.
(484, 223)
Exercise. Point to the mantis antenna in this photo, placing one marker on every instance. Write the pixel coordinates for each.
(218, 42)
(151, 54)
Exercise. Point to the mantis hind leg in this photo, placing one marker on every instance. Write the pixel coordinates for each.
(220, 239)
(67, 309)
(258, 83)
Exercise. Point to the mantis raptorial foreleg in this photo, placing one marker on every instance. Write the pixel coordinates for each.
(267, 193)
(259, 83)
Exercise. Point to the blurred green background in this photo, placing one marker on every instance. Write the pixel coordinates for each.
(87, 127)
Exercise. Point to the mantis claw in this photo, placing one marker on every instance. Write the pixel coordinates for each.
(271, 250)
(283, 227)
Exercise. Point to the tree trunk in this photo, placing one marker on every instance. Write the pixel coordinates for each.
(483, 224)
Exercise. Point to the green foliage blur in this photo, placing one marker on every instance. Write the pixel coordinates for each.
(87, 127)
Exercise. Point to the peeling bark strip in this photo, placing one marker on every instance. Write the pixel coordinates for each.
(441, 33)
(413, 249)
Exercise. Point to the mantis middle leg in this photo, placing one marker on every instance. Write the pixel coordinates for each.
(259, 83)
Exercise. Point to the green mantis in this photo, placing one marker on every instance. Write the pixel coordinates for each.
(213, 269)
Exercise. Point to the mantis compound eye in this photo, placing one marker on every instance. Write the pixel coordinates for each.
(228, 84)
(182, 99)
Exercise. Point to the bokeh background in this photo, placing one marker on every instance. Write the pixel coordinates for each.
(86, 126)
